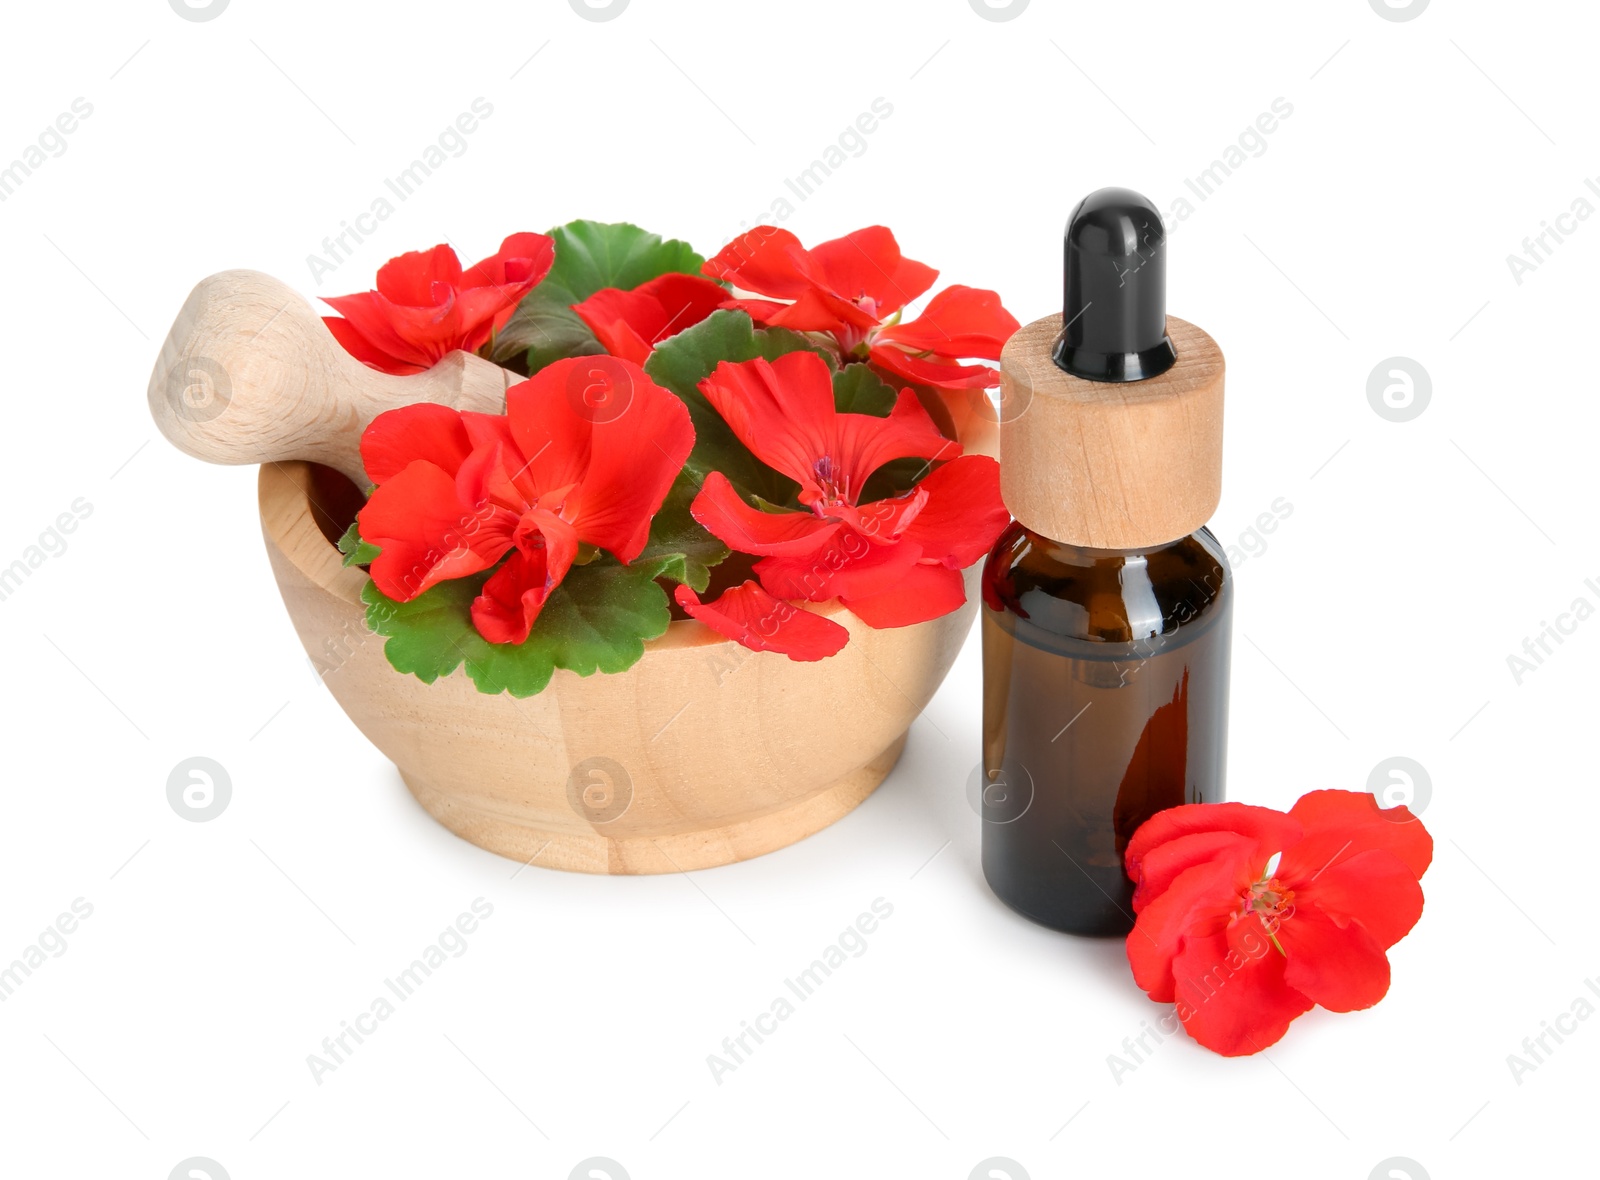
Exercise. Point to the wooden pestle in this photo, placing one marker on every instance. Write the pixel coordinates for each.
(250, 374)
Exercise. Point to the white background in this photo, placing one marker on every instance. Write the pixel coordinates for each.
(1376, 622)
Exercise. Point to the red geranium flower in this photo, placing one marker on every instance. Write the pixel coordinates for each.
(893, 562)
(426, 306)
(458, 491)
(749, 615)
(630, 323)
(1248, 917)
(854, 288)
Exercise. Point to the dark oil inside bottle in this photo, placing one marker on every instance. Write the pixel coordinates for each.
(1105, 701)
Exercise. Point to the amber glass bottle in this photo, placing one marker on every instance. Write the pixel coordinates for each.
(1105, 676)
(1107, 604)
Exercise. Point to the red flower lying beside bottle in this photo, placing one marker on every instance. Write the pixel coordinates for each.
(747, 453)
(1249, 917)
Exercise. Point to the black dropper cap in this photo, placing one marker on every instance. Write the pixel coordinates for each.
(1114, 310)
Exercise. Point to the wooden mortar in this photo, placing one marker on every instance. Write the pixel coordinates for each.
(724, 753)
(701, 754)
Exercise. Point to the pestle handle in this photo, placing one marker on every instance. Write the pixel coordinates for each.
(250, 374)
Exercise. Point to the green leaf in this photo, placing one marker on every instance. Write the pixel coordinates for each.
(681, 363)
(894, 478)
(593, 254)
(544, 329)
(598, 619)
(355, 550)
(590, 255)
(858, 390)
(430, 635)
(674, 532)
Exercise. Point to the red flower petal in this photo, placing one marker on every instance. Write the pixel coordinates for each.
(1162, 864)
(522, 260)
(760, 310)
(410, 338)
(883, 522)
(1343, 824)
(395, 438)
(365, 351)
(812, 311)
(736, 524)
(413, 278)
(601, 424)
(1199, 901)
(964, 514)
(1341, 967)
(426, 334)
(423, 530)
(1270, 831)
(941, 374)
(551, 417)
(1374, 888)
(412, 314)
(621, 321)
(489, 430)
(489, 291)
(754, 618)
(867, 264)
(1231, 991)
(766, 260)
(485, 480)
(865, 442)
(921, 593)
(783, 410)
(844, 286)
(426, 307)
(847, 566)
(686, 300)
(958, 322)
(630, 323)
(505, 610)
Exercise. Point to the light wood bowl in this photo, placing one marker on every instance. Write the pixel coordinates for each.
(724, 753)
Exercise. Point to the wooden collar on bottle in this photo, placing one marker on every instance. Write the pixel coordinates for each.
(1109, 465)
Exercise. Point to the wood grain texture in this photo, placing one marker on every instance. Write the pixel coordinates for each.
(1111, 465)
(250, 374)
(726, 753)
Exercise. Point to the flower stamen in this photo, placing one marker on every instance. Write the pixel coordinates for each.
(1270, 901)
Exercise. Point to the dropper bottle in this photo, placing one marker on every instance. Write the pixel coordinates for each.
(1106, 604)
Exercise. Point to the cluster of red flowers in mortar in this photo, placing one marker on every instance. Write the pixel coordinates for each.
(763, 432)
